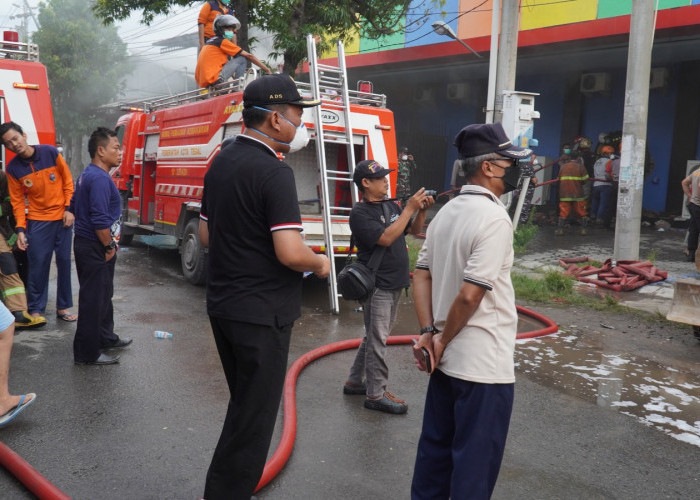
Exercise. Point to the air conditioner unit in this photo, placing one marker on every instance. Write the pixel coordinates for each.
(457, 91)
(658, 78)
(595, 82)
(422, 94)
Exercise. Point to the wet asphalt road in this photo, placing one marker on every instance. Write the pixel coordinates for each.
(146, 428)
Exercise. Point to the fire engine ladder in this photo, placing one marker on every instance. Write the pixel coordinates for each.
(330, 85)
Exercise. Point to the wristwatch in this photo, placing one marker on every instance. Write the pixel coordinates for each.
(428, 329)
(110, 246)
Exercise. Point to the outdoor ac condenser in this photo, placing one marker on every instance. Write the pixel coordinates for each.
(457, 91)
(658, 78)
(595, 82)
(422, 94)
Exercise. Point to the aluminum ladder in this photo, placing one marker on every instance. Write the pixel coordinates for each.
(330, 85)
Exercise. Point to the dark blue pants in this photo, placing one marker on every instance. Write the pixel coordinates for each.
(465, 425)
(254, 358)
(694, 227)
(96, 319)
(45, 238)
(600, 201)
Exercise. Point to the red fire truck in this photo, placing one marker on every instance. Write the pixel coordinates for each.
(24, 92)
(169, 144)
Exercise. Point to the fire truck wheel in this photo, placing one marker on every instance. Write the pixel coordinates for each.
(193, 256)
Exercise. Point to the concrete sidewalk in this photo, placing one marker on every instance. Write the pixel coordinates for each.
(664, 247)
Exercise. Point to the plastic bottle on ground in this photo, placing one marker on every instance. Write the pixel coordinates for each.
(162, 335)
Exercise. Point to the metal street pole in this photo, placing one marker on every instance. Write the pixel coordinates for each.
(634, 131)
(507, 53)
(493, 61)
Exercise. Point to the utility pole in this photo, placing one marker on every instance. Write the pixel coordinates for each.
(507, 53)
(634, 131)
(493, 61)
(27, 12)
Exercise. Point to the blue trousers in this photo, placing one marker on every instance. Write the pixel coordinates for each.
(600, 201)
(96, 318)
(45, 238)
(465, 425)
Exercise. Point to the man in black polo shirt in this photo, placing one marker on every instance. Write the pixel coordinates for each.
(369, 373)
(250, 219)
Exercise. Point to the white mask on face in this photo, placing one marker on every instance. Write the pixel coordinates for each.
(301, 138)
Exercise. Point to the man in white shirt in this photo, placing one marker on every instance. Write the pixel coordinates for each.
(465, 304)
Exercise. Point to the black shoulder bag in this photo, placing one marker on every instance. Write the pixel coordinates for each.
(356, 281)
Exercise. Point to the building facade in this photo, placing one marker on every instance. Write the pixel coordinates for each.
(572, 52)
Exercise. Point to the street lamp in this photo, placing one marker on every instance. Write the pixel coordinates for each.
(442, 28)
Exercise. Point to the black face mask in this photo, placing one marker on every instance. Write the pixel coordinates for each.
(511, 177)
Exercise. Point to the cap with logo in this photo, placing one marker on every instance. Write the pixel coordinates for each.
(480, 139)
(369, 169)
(275, 89)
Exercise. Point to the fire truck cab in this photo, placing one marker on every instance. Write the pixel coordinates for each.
(24, 92)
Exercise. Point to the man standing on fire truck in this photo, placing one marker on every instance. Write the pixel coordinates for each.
(41, 175)
(251, 222)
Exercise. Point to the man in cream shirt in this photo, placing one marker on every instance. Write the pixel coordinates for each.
(465, 304)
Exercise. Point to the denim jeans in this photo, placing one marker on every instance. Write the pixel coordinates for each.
(235, 67)
(380, 311)
(601, 199)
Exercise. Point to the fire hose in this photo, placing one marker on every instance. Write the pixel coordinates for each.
(289, 428)
(43, 489)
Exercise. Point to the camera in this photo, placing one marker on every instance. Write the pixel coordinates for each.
(431, 192)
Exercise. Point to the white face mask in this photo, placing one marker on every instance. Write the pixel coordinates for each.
(301, 138)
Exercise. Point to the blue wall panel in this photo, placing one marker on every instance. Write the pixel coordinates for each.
(418, 28)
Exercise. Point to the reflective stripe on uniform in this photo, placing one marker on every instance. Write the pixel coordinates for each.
(13, 291)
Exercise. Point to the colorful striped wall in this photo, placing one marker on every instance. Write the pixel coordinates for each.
(472, 19)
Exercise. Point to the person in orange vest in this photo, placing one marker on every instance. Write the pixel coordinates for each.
(205, 22)
(221, 58)
(40, 175)
(573, 178)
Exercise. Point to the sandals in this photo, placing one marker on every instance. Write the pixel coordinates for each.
(67, 316)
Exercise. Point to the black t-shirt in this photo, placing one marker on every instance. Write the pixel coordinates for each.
(367, 226)
(249, 194)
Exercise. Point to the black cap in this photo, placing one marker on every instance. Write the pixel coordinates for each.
(275, 89)
(480, 139)
(369, 169)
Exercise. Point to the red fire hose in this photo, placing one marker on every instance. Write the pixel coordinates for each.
(45, 490)
(289, 428)
(28, 476)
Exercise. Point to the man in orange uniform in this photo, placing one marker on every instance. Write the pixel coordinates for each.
(205, 22)
(218, 59)
(40, 175)
(573, 178)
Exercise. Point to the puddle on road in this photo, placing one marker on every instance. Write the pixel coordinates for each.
(659, 396)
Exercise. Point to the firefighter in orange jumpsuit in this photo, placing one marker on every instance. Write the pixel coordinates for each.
(205, 22)
(220, 58)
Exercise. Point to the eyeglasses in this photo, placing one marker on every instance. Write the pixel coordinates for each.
(510, 162)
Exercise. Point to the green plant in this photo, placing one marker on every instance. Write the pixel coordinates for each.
(651, 256)
(414, 245)
(522, 236)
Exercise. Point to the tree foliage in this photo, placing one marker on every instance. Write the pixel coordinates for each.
(85, 62)
(289, 20)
